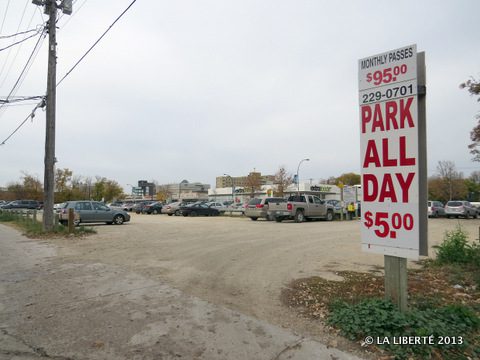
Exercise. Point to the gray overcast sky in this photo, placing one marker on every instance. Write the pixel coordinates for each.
(194, 89)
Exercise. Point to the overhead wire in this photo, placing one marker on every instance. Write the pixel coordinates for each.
(96, 42)
(20, 33)
(19, 42)
(71, 16)
(16, 54)
(26, 67)
(42, 104)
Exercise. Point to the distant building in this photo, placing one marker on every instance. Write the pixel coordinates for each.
(185, 191)
(241, 181)
(145, 189)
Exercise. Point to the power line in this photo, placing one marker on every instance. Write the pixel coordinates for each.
(15, 86)
(96, 42)
(19, 42)
(22, 98)
(20, 33)
(41, 104)
(16, 54)
(70, 17)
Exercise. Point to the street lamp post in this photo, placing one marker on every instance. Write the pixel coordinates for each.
(298, 179)
(233, 186)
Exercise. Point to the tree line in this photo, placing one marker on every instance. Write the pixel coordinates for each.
(67, 187)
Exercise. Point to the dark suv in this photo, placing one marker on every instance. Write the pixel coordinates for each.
(22, 204)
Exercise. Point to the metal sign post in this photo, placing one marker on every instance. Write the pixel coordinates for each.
(393, 162)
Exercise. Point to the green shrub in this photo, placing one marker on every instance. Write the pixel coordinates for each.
(455, 249)
(379, 319)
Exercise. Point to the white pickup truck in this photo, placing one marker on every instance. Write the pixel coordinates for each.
(301, 208)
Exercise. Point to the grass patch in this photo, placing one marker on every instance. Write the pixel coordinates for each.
(32, 228)
(444, 300)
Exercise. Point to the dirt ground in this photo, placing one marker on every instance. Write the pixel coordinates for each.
(235, 263)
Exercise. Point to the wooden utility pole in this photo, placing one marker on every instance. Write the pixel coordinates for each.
(49, 160)
(49, 175)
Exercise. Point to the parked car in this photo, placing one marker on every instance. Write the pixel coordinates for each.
(172, 208)
(457, 208)
(301, 208)
(337, 207)
(22, 204)
(138, 208)
(153, 208)
(217, 205)
(435, 209)
(199, 208)
(92, 212)
(128, 206)
(258, 208)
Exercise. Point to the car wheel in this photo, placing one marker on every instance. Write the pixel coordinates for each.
(155, 212)
(254, 218)
(299, 216)
(169, 214)
(118, 220)
(177, 212)
(329, 216)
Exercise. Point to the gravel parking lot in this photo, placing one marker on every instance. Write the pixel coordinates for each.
(237, 262)
(232, 261)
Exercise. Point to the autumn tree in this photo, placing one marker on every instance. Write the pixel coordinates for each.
(253, 183)
(282, 180)
(448, 184)
(63, 188)
(163, 194)
(473, 186)
(30, 187)
(349, 179)
(473, 87)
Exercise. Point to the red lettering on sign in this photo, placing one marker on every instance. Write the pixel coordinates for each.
(405, 113)
(383, 188)
(388, 190)
(371, 155)
(404, 161)
(391, 110)
(405, 184)
(391, 115)
(370, 187)
(386, 160)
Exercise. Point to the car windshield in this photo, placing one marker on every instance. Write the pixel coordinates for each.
(274, 200)
(297, 198)
(454, 203)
